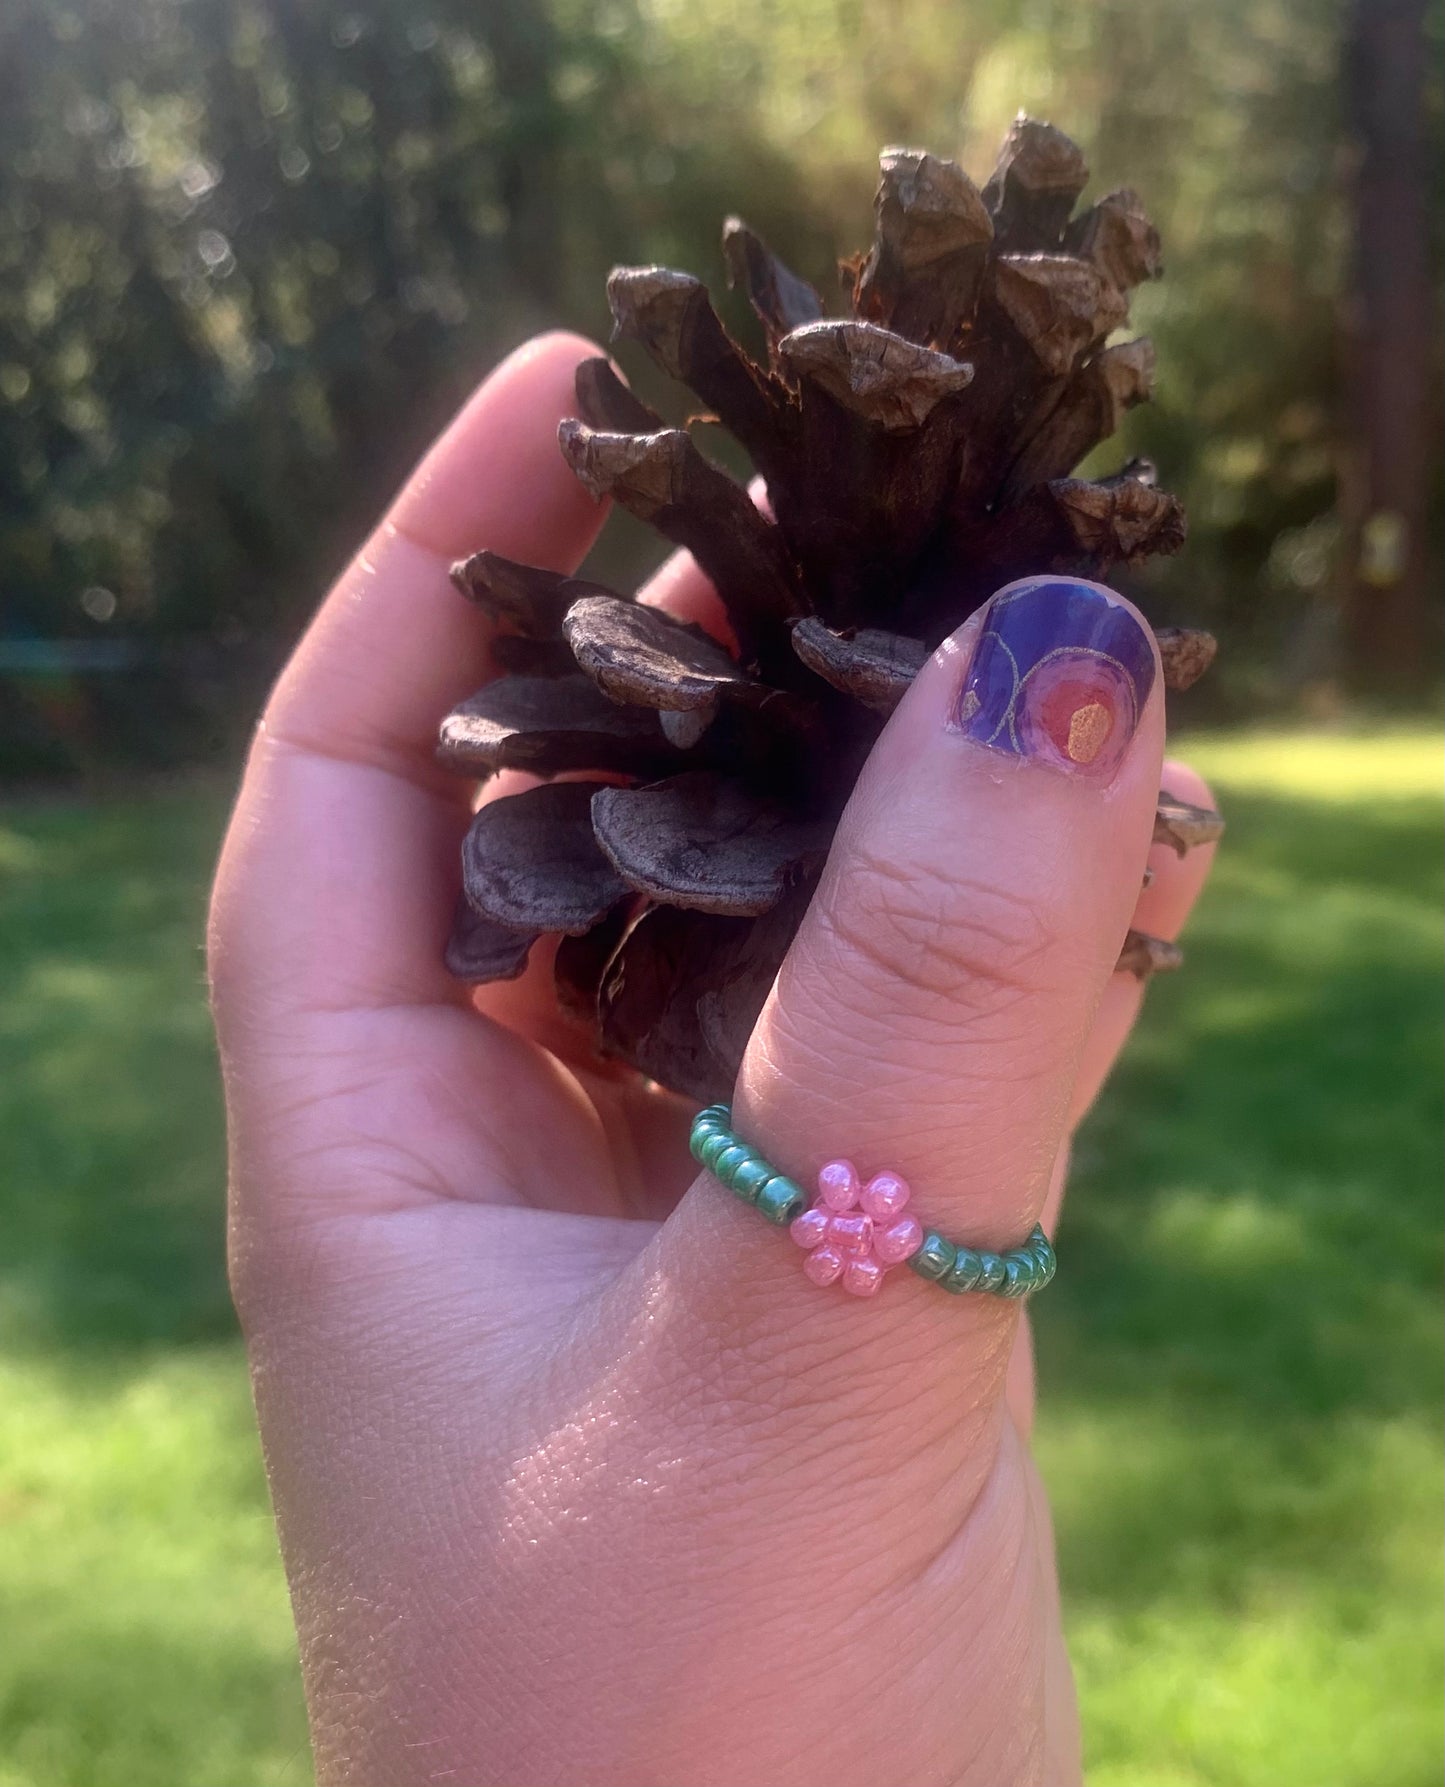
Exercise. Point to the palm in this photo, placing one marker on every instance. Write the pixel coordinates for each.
(495, 1387)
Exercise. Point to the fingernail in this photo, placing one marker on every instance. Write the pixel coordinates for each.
(1060, 673)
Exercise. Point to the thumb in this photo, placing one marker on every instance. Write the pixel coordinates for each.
(932, 1012)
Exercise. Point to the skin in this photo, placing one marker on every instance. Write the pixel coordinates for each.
(578, 1480)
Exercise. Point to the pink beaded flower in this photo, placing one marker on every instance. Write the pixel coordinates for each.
(856, 1232)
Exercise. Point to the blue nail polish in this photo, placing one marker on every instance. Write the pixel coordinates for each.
(1060, 673)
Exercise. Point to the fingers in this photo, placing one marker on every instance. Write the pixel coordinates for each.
(339, 870)
(933, 1013)
(346, 1045)
(1162, 910)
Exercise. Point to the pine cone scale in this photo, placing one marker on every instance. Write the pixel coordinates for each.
(917, 454)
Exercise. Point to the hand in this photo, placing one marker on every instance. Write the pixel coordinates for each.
(578, 1479)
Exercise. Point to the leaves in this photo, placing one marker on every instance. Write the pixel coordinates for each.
(530, 861)
(702, 841)
(547, 725)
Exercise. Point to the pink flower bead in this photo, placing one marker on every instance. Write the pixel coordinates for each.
(809, 1229)
(862, 1275)
(850, 1231)
(855, 1232)
(824, 1265)
(838, 1185)
(899, 1241)
(884, 1196)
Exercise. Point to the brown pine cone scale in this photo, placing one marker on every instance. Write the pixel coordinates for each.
(917, 453)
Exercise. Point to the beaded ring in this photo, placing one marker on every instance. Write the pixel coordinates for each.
(853, 1232)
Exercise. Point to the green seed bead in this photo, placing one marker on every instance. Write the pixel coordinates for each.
(702, 1134)
(965, 1272)
(751, 1177)
(715, 1148)
(780, 1200)
(992, 1275)
(934, 1258)
(1045, 1263)
(1018, 1275)
(729, 1160)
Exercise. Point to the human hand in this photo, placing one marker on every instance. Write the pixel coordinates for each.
(578, 1480)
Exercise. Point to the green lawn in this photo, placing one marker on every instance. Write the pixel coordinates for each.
(1241, 1359)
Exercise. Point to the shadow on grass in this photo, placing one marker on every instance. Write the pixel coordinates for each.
(1261, 1175)
(111, 1200)
(1240, 1359)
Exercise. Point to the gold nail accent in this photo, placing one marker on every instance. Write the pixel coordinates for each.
(1088, 728)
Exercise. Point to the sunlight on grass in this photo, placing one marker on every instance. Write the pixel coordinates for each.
(1393, 764)
(138, 1561)
(1240, 1359)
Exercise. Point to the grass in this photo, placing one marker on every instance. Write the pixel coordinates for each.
(1241, 1360)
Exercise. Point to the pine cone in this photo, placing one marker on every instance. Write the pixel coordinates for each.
(916, 455)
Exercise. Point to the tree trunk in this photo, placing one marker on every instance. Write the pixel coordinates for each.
(1390, 618)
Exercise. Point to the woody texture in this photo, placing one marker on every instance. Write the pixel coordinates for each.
(916, 452)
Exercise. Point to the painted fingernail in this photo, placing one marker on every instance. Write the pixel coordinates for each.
(1060, 673)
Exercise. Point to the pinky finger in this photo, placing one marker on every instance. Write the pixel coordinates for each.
(1163, 910)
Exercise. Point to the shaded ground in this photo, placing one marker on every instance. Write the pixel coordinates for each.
(1240, 1359)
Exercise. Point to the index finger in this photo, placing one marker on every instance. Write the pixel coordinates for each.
(339, 870)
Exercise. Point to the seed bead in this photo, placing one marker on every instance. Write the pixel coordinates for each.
(712, 1147)
(729, 1160)
(780, 1200)
(1016, 1273)
(751, 1177)
(935, 1257)
(965, 1272)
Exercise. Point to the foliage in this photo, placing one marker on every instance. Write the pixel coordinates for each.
(1240, 1359)
(253, 251)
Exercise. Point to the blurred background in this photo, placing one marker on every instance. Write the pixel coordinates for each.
(252, 254)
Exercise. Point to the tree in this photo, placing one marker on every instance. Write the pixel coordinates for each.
(1390, 618)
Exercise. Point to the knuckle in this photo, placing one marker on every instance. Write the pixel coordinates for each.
(968, 943)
